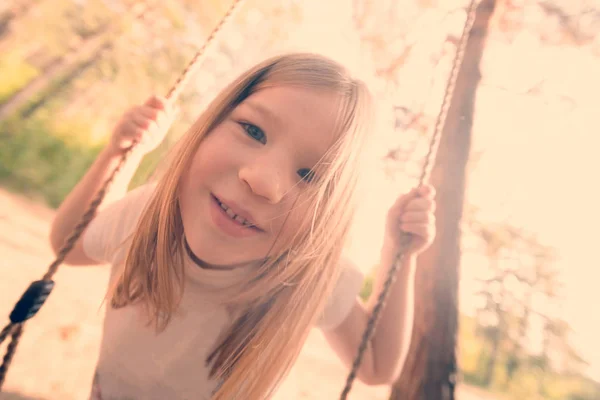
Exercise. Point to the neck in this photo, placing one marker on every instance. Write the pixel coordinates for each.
(202, 264)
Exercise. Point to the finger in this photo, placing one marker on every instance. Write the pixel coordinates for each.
(417, 216)
(417, 229)
(401, 201)
(132, 131)
(157, 102)
(426, 190)
(140, 120)
(149, 112)
(420, 203)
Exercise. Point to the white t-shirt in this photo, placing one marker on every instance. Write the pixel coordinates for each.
(135, 362)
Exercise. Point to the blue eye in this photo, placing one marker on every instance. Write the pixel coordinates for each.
(254, 132)
(306, 174)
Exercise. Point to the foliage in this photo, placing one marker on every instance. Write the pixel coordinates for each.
(532, 376)
(530, 382)
(50, 141)
(367, 288)
(69, 69)
(15, 74)
(495, 344)
(37, 160)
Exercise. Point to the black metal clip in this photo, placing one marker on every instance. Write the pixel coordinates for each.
(32, 300)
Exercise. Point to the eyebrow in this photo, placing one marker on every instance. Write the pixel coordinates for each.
(266, 112)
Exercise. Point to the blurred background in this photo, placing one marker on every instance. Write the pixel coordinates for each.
(515, 172)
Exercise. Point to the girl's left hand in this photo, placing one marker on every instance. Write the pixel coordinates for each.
(413, 213)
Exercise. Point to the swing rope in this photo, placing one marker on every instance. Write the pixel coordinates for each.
(425, 174)
(35, 296)
(37, 293)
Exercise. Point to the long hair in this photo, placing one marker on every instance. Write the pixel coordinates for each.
(286, 295)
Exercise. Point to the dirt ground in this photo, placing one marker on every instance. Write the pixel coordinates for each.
(59, 347)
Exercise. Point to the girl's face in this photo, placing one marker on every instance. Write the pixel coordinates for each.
(241, 199)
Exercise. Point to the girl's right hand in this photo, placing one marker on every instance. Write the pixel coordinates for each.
(146, 125)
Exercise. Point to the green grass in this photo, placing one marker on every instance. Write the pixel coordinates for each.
(40, 162)
(367, 288)
(528, 382)
(16, 73)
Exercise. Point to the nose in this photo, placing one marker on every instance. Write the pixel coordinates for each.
(265, 178)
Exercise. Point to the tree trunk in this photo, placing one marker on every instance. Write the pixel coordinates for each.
(431, 367)
(70, 62)
(64, 82)
(12, 13)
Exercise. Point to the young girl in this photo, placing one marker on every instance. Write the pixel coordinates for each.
(221, 268)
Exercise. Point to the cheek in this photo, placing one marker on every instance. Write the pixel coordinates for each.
(296, 218)
(209, 158)
(192, 177)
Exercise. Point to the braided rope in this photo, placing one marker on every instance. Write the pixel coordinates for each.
(196, 61)
(15, 329)
(5, 332)
(425, 174)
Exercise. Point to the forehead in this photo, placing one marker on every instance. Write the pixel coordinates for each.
(307, 117)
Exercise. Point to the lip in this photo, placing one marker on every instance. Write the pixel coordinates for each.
(228, 225)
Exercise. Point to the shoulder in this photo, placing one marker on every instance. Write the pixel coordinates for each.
(111, 227)
(344, 295)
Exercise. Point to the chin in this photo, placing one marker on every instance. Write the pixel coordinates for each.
(215, 254)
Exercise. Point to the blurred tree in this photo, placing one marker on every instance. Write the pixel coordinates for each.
(522, 283)
(430, 368)
(90, 39)
(11, 12)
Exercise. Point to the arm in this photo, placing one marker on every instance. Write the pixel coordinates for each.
(77, 202)
(387, 350)
(146, 124)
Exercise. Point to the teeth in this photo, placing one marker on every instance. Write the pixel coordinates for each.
(234, 216)
(230, 213)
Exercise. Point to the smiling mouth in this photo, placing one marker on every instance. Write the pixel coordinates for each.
(234, 217)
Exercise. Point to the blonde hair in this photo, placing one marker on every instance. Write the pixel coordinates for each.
(282, 300)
